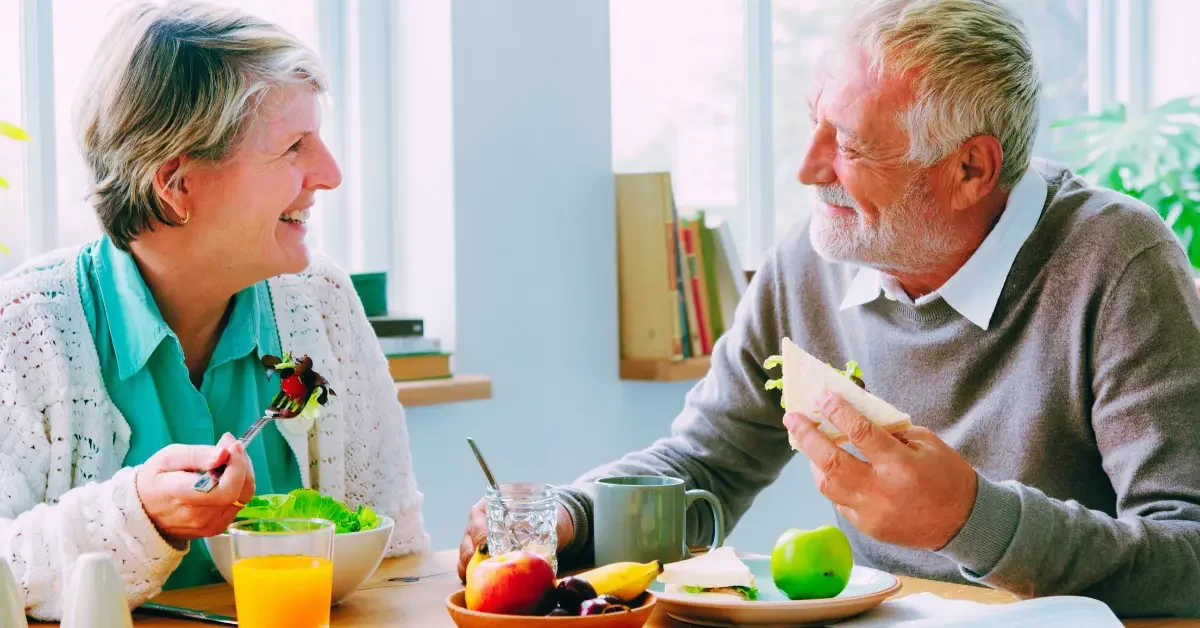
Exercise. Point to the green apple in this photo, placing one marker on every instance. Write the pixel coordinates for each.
(811, 564)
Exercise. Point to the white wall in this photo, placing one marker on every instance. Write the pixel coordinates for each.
(535, 273)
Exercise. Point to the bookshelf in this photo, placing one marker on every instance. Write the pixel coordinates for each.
(664, 370)
(455, 389)
(679, 280)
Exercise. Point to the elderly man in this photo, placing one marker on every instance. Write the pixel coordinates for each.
(1042, 333)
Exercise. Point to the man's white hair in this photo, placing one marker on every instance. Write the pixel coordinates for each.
(973, 72)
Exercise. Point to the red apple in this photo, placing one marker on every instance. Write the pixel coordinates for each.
(516, 583)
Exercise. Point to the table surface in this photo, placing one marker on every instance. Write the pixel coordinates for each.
(411, 591)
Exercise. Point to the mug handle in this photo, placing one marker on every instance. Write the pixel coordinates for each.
(718, 517)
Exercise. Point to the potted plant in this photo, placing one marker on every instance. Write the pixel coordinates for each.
(1153, 157)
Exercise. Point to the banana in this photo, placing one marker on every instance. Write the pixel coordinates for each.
(626, 580)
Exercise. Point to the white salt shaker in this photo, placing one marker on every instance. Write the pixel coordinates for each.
(12, 605)
(95, 596)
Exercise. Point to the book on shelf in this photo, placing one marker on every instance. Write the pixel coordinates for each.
(679, 274)
(412, 367)
(393, 326)
(648, 299)
(728, 274)
(405, 345)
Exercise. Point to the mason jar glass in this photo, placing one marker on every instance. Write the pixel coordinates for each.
(523, 517)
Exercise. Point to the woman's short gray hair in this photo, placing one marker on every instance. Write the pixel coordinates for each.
(973, 71)
(183, 78)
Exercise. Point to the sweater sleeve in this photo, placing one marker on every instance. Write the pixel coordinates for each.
(728, 439)
(1146, 559)
(40, 542)
(379, 460)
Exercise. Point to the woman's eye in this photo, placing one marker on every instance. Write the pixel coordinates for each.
(294, 147)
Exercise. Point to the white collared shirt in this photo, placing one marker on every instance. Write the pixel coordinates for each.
(974, 289)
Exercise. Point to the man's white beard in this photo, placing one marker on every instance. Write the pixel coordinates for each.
(911, 236)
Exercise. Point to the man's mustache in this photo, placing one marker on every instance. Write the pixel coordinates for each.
(833, 194)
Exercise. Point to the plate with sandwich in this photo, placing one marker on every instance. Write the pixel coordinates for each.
(722, 588)
(805, 378)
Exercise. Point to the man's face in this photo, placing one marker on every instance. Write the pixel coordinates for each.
(876, 208)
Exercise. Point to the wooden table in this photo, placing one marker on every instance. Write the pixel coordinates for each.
(411, 591)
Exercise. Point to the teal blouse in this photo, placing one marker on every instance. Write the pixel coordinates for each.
(144, 372)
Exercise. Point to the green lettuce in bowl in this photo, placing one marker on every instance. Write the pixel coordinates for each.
(305, 503)
(360, 537)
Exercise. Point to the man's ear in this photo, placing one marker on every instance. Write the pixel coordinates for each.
(170, 187)
(975, 170)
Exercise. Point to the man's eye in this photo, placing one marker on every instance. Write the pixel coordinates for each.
(294, 147)
(847, 151)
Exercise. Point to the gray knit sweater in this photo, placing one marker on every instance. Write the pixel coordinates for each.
(1078, 407)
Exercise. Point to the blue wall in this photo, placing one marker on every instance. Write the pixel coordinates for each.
(535, 282)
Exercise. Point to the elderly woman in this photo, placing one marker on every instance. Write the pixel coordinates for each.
(121, 363)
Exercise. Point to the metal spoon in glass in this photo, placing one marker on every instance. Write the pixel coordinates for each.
(492, 482)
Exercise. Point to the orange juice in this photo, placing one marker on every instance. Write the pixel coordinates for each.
(282, 591)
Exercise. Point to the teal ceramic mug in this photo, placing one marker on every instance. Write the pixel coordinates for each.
(642, 518)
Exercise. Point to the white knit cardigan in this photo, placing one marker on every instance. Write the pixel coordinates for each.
(63, 491)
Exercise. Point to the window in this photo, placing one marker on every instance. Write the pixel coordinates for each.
(12, 154)
(800, 29)
(667, 83)
(678, 92)
(1173, 24)
(356, 42)
(76, 38)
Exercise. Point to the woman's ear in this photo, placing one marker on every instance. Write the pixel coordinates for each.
(172, 188)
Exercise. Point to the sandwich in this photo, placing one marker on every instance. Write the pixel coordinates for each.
(717, 572)
(805, 377)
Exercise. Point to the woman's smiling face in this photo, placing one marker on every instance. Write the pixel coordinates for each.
(253, 205)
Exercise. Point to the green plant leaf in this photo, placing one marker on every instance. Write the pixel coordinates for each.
(1153, 156)
(13, 131)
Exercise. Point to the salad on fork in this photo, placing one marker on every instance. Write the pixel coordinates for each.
(302, 392)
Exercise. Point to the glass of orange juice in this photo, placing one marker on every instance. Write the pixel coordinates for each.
(282, 572)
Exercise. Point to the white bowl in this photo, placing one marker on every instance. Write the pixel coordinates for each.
(356, 555)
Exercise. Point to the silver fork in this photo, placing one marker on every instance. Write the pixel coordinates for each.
(208, 481)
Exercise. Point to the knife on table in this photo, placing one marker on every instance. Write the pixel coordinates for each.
(177, 612)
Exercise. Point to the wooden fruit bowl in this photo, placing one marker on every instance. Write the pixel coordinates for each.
(464, 618)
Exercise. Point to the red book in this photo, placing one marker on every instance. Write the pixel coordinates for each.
(689, 252)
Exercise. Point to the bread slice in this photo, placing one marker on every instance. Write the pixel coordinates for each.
(805, 377)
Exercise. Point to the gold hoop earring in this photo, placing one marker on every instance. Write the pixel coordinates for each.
(186, 217)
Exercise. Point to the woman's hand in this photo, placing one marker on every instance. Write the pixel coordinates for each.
(180, 512)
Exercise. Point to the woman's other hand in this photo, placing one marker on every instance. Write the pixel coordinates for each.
(180, 512)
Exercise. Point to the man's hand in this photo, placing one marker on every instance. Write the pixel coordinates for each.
(477, 533)
(913, 490)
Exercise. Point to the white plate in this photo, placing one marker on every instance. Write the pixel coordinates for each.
(866, 589)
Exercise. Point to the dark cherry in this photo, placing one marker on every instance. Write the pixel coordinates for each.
(571, 592)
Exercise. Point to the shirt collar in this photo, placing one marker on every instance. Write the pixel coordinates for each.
(137, 328)
(135, 323)
(974, 289)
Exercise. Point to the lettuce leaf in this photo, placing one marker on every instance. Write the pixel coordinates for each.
(772, 362)
(750, 593)
(851, 371)
(307, 503)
